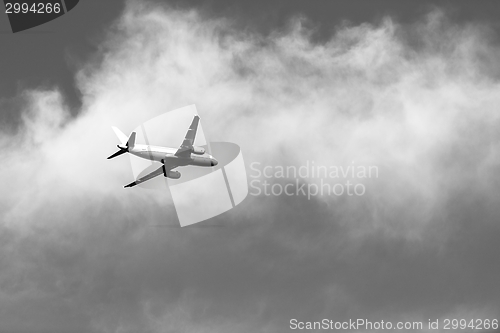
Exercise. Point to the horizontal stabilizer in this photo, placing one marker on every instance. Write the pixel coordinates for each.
(118, 153)
(122, 137)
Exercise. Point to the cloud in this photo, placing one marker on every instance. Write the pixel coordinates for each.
(80, 254)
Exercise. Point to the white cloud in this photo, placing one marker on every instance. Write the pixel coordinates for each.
(426, 115)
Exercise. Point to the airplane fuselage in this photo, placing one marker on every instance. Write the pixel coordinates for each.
(167, 154)
(171, 158)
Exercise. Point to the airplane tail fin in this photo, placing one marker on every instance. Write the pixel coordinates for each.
(131, 140)
(126, 143)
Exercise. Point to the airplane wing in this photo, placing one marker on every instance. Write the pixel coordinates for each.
(187, 144)
(161, 170)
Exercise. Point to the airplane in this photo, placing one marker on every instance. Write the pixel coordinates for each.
(170, 158)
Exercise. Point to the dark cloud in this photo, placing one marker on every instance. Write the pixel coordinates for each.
(80, 254)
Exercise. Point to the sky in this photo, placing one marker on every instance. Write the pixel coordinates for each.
(409, 87)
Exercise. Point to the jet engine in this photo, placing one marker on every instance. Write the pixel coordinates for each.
(172, 174)
(198, 150)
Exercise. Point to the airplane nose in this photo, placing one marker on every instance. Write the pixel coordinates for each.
(214, 162)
